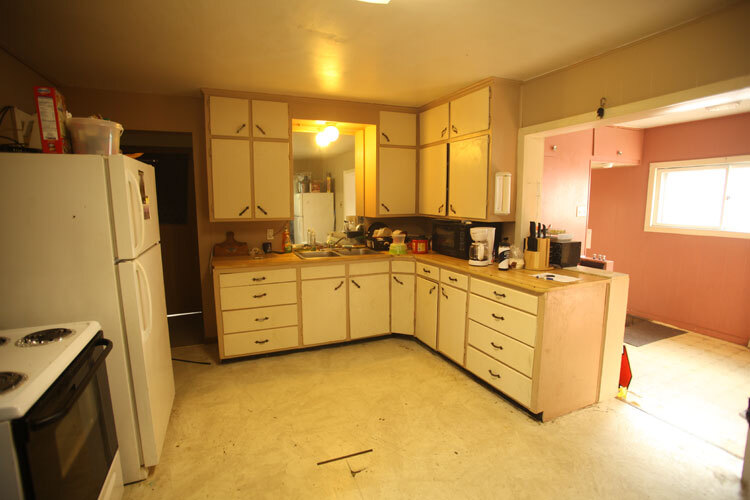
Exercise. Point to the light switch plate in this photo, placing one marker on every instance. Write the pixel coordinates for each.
(269, 234)
(581, 211)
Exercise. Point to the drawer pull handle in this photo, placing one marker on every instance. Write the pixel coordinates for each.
(496, 346)
(259, 279)
(442, 132)
(261, 209)
(241, 127)
(260, 295)
(496, 375)
(442, 291)
(432, 290)
(386, 137)
(425, 270)
(338, 286)
(452, 278)
(261, 341)
(244, 210)
(398, 280)
(261, 130)
(498, 317)
(386, 208)
(455, 130)
(497, 294)
(356, 284)
(264, 318)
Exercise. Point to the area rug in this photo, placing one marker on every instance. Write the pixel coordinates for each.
(640, 332)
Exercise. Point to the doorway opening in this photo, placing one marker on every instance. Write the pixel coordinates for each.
(171, 154)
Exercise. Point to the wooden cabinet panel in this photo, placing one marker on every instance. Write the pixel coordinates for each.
(618, 145)
(499, 376)
(312, 272)
(230, 179)
(229, 116)
(433, 124)
(508, 296)
(270, 120)
(240, 297)
(454, 279)
(433, 179)
(402, 266)
(369, 305)
(467, 189)
(402, 303)
(452, 323)
(398, 129)
(513, 353)
(428, 271)
(470, 113)
(371, 267)
(512, 322)
(238, 344)
(426, 308)
(262, 277)
(272, 180)
(323, 311)
(245, 320)
(397, 181)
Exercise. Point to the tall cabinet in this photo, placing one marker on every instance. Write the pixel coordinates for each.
(249, 158)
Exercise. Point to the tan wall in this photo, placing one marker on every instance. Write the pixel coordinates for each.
(17, 83)
(708, 50)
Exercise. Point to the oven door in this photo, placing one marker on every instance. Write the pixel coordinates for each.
(67, 441)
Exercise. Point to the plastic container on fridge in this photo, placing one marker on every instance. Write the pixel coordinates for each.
(94, 136)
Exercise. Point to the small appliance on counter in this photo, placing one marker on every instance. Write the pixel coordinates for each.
(480, 253)
(564, 253)
(419, 244)
(378, 237)
(453, 239)
(397, 246)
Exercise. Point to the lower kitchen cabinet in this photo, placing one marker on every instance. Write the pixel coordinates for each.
(452, 323)
(402, 303)
(323, 310)
(426, 309)
(369, 305)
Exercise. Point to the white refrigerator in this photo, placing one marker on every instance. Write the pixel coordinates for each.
(313, 211)
(81, 242)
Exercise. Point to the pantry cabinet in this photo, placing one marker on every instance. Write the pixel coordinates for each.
(426, 311)
(433, 179)
(470, 113)
(230, 179)
(433, 124)
(272, 172)
(229, 116)
(452, 323)
(323, 310)
(398, 129)
(369, 305)
(467, 187)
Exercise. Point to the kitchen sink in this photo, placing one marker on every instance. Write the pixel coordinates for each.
(315, 253)
(355, 251)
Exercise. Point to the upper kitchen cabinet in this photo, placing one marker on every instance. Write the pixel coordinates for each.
(230, 179)
(433, 178)
(272, 180)
(433, 124)
(619, 146)
(229, 116)
(397, 181)
(398, 129)
(470, 113)
(467, 185)
(270, 120)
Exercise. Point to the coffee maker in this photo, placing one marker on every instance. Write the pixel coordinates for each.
(480, 251)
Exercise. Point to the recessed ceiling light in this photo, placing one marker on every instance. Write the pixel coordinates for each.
(375, 1)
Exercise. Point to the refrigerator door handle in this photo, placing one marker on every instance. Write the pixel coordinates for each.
(139, 224)
(143, 283)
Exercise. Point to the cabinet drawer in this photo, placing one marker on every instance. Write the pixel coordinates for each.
(402, 266)
(314, 272)
(262, 277)
(504, 295)
(371, 267)
(242, 297)
(238, 344)
(501, 347)
(428, 271)
(498, 375)
(454, 279)
(244, 320)
(512, 322)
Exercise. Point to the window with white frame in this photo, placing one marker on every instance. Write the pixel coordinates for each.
(708, 196)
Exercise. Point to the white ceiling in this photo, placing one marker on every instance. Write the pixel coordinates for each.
(304, 146)
(408, 52)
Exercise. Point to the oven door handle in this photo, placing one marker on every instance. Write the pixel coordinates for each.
(38, 423)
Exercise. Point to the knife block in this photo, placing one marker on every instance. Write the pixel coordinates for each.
(539, 260)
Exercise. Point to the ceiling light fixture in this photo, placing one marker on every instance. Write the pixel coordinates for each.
(327, 136)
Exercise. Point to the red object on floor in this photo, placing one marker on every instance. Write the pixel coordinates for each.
(625, 374)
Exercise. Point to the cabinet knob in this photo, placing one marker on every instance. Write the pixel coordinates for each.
(338, 286)
(398, 280)
(244, 210)
(501, 318)
(386, 208)
(259, 128)
(455, 130)
(240, 128)
(356, 284)
(261, 209)
(496, 375)
(386, 136)
(496, 346)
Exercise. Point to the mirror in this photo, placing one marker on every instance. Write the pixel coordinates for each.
(324, 185)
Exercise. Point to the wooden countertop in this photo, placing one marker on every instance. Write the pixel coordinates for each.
(521, 278)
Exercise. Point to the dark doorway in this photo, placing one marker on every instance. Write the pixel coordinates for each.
(171, 154)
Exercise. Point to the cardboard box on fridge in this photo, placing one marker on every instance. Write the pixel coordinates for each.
(50, 108)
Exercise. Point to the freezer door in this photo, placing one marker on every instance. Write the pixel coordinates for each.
(132, 187)
(147, 334)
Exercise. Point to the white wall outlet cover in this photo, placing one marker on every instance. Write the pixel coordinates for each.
(588, 239)
(269, 234)
(580, 210)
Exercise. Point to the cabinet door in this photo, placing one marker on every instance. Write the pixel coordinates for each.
(398, 129)
(452, 323)
(323, 311)
(272, 180)
(397, 181)
(228, 116)
(426, 307)
(369, 306)
(433, 124)
(230, 179)
(402, 303)
(270, 120)
(471, 113)
(467, 189)
(433, 179)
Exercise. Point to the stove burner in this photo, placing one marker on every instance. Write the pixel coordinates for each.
(10, 380)
(4, 340)
(44, 337)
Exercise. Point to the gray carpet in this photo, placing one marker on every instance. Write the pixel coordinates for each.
(640, 332)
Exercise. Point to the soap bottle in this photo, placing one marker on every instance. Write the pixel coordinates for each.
(286, 241)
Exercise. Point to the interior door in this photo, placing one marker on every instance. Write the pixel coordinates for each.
(145, 318)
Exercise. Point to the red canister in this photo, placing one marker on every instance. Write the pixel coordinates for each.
(419, 245)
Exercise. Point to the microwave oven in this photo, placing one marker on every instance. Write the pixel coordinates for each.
(454, 239)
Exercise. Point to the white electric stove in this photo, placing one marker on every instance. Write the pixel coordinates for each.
(57, 436)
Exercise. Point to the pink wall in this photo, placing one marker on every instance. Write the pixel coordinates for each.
(565, 182)
(700, 283)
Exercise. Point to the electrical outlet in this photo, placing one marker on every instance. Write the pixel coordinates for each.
(269, 234)
(581, 211)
